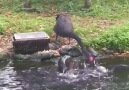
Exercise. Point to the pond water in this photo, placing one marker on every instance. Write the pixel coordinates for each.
(31, 75)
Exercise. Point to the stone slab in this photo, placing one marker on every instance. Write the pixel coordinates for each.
(27, 43)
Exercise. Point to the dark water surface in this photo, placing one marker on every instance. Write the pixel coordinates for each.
(31, 75)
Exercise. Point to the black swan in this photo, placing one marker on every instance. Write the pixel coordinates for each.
(64, 28)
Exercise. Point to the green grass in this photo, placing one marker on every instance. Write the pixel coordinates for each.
(24, 22)
(100, 8)
(110, 8)
(92, 25)
(116, 38)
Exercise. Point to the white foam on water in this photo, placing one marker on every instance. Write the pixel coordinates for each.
(70, 77)
(102, 69)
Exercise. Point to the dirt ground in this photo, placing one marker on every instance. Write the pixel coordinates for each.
(5, 44)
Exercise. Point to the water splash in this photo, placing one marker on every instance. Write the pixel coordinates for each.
(83, 74)
(29, 75)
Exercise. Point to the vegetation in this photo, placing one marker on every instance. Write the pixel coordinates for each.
(116, 38)
(106, 22)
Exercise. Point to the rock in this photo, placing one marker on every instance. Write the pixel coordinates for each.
(41, 55)
(53, 46)
(21, 57)
(44, 55)
(107, 51)
(71, 50)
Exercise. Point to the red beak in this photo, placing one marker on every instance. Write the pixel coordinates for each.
(91, 59)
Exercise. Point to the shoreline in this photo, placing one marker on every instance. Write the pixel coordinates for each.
(6, 49)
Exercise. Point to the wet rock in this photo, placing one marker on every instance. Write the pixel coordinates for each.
(53, 46)
(71, 50)
(21, 57)
(41, 55)
(45, 55)
(55, 51)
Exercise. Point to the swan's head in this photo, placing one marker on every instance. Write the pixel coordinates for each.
(89, 58)
(62, 15)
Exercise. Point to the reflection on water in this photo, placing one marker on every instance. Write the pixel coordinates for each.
(31, 75)
(8, 77)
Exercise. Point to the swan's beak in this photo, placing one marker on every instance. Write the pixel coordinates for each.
(92, 61)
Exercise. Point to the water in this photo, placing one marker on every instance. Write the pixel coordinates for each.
(31, 75)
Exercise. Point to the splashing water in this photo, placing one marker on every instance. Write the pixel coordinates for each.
(83, 74)
(31, 75)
